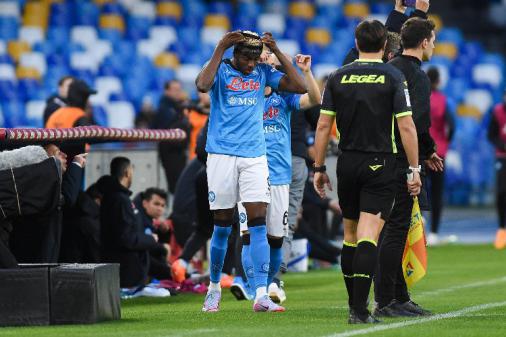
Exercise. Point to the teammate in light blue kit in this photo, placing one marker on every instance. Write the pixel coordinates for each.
(277, 112)
(236, 165)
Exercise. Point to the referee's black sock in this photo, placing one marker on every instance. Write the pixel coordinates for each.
(364, 265)
(347, 255)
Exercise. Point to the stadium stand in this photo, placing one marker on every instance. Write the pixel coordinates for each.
(128, 48)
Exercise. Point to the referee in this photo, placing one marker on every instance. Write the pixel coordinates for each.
(365, 97)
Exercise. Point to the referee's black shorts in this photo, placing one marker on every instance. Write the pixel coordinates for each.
(366, 183)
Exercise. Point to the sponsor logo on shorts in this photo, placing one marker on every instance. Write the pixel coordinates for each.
(212, 196)
(242, 217)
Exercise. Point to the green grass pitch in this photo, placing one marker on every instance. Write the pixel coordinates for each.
(467, 282)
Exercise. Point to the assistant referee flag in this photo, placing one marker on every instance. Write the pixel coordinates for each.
(414, 258)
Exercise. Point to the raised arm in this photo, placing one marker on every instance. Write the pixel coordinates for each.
(291, 81)
(205, 78)
(313, 95)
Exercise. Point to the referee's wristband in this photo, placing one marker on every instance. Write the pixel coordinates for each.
(320, 169)
(416, 169)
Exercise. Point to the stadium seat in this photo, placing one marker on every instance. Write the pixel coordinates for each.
(10, 8)
(446, 49)
(27, 72)
(85, 35)
(163, 35)
(149, 48)
(108, 84)
(187, 73)
(101, 49)
(218, 21)
(31, 35)
(437, 21)
(318, 36)
(145, 9)
(99, 115)
(16, 48)
(83, 61)
(2, 119)
(35, 112)
(274, 23)
(120, 114)
(170, 9)
(14, 113)
(7, 72)
(324, 69)
(468, 111)
(3, 47)
(34, 60)
(291, 47)
(480, 98)
(356, 10)
(112, 21)
(31, 89)
(488, 73)
(452, 35)
(167, 60)
(301, 9)
(212, 35)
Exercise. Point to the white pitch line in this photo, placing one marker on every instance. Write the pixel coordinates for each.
(459, 287)
(451, 314)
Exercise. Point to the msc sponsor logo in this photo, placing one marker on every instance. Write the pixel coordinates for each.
(363, 79)
(271, 113)
(211, 196)
(271, 128)
(238, 84)
(242, 101)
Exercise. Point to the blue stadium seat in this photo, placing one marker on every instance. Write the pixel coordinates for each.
(221, 7)
(450, 35)
(138, 27)
(14, 113)
(112, 8)
(112, 35)
(162, 76)
(99, 115)
(248, 8)
(8, 91)
(5, 58)
(8, 28)
(86, 14)
(381, 8)
(29, 88)
(243, 22)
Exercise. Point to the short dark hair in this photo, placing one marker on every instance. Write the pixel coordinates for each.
(433, 74)
(119, 167)
(167, 84)
(64, 78)
(148, 193)
(414, 31)
(371, 36)
(393, 45)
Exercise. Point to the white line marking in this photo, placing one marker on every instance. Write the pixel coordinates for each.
(451, 314)
(459, 287)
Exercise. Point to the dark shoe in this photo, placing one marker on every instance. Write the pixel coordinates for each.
(414, 308)
(394, 309)
(362, 319)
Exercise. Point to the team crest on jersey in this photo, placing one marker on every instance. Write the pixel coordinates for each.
(211, 196)
(276, 101)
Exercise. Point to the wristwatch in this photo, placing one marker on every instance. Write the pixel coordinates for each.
(320, 169)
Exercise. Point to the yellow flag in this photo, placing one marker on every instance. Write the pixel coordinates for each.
(414, 259)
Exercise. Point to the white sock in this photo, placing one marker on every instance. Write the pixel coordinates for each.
(214, 287)
(261, 292)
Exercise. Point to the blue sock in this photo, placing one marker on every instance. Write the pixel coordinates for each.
(219, 244)
(259, 252)
(247, 265)
(275, 263)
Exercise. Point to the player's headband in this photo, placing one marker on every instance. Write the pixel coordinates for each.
(251, 46)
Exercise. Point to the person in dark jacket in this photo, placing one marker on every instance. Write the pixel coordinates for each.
(37, 239)
(173, 155)
(418, 36)
(122, 235)
(59, 100)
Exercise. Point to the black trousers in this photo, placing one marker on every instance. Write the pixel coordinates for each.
(173, 162)
(389, 281)
(436, 183)
(501, 191)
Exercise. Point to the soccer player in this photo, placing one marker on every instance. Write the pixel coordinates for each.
(277, 111)
(237, 165)
(365, 97)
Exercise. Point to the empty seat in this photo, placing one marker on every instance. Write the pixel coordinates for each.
(446, 49)
(145, 9)
(274, 23)
(356, 10)
(34, 60)
(212, 35)
(2, 119)
(27, 72)
(164, 35)
(16, 48)
(291, 47)
(108, 84)
(83, 61)
(167, 60)
(318, 36)
(112, 21)
(101, 49)
(301, 9)
(35, 111)
(31, 35)
(149, 48)
(85, 35)
(10, 8)
(437, 21)
(120, 114)
(3, 47)
(170, 9)
(464, 110)
(324, 69)
(217, 20)
(480, 98)
(7, 72)
(488, 73)
(188, 72)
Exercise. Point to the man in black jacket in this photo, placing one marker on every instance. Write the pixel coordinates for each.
(59, 100)
(123, 238)
(391, 293)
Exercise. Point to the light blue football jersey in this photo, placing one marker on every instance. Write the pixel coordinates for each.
(277, 112)
(237, 106)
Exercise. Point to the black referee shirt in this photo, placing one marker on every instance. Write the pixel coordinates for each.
(365, 96)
